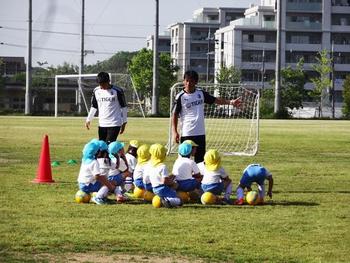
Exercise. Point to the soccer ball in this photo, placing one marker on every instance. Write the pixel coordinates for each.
(138, 192)
(208, 198)
(82, 197)
(156, 202)
(148, 196)
(252, 197)
(184, 196)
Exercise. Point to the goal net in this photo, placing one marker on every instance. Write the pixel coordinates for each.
(230, 130)
(73, 93)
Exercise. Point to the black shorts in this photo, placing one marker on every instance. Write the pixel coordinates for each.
(108, 134)
(200, 140)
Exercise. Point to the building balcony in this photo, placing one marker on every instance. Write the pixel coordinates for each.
(258, 45)
(254, 22)
(198, 55)
(340, 9)
(304, 7)
(258, 65)
(305, 25)
(303, 47)
(340, 28)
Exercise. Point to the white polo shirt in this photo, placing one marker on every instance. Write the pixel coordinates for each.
(190, 108)
(184, 168)
(88, 172)
(155, 174)
(212, 177)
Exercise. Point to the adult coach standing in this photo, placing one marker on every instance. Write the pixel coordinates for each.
(110, 102)
(189, 106)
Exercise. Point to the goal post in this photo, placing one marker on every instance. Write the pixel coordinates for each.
(230, 130)
(85, 84)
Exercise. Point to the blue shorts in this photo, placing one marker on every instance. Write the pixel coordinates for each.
(118, 179)
(164, 191)
(246, 180)
(90, 188)
(215, 189)
(188, 185)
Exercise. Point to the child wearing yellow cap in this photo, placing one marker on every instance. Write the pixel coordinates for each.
(159, 177)
(143, 157)
(215, 179)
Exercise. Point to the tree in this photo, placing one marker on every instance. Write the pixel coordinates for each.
(228, 75)
(117, 63)
(321, 83)
(292, 89)
(346, 97)
(141, 70)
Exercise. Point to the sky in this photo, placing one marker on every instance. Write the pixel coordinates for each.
(130, 22)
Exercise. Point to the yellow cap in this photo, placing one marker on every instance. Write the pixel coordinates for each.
(191, 142)
(212, 160)
(158, 153)
(134, 143)
(143, 154)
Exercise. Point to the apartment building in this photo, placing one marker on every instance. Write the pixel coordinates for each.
(163, 42)
(308, 26)
(193, 42)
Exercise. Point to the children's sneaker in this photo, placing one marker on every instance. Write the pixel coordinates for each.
(239, 201)
(98, 201)
(227, 201)
(121, 198)
(165, 202)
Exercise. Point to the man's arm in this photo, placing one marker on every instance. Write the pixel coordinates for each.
(234, 102)
(92, 112)
(174, 122)
(124, 109)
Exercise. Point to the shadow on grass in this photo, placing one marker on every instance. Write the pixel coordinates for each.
(313, 192)
(270, 203)
(291, 203)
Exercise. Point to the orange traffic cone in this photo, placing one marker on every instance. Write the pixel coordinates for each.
(44, 174)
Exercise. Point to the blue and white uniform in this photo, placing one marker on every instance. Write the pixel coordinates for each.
(156, 175)
(87, 177)
(116, 172)
(254, 173)
(183, 170)
(212, 180)
(140, 180)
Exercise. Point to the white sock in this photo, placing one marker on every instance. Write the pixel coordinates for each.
(228, 191)
(117, 191)
(103, 192)
(174, 201)
(261, 189)
(240, 193)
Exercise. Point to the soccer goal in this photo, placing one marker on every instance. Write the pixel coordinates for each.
(73, 93)
(230, 130)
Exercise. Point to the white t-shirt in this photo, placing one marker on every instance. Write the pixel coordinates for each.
(111, 106)
(184, 168)
(88, 172)
(117, 170)
(155, 174)
(140, 171)
(190, 108)
(211, 177)
(132, 161)
(104, 166)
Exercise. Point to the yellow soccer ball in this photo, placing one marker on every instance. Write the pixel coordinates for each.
(208, 198)
(252, 197)
(148, 196)
(184, 196)
(138, 192)
(156, 203)
(82, 197)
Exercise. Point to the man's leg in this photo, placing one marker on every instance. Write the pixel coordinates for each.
(102, 133)
(200, 140)
(112, 134)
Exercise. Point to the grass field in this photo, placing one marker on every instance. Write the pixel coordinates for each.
(308, 219)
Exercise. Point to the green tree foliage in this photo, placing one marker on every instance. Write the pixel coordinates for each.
(292, 90)
(229, 75)
(117, 63)
(323, 67)
(141, 70)
(346, 97)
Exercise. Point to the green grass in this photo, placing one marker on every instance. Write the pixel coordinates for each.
(308, 219)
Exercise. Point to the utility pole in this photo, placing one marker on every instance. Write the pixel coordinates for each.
(208, 54)
(333, 80)
(155, 63)
(82, 54)
(263, 70)
(28, 99)
(278, 57)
